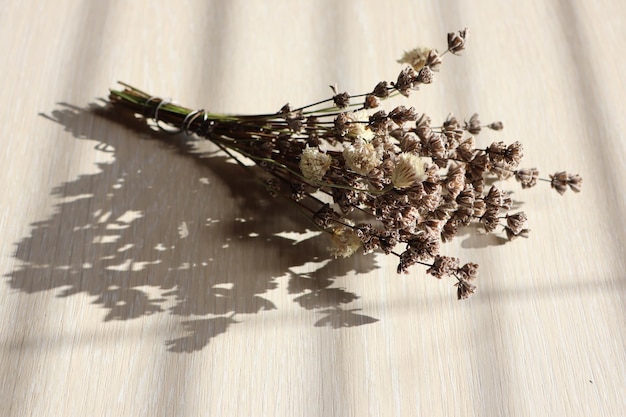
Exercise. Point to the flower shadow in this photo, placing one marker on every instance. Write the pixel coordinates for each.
(172, 227)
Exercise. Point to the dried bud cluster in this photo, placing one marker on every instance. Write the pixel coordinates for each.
(417, 184)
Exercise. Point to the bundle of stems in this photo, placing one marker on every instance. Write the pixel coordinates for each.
(373, 180)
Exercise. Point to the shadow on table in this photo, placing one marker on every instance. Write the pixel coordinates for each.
(172, 227)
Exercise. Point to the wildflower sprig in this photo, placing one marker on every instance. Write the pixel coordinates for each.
(372, 179)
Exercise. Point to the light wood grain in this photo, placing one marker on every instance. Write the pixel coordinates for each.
(143, 278)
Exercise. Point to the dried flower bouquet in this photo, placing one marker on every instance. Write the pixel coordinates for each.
(373, 180)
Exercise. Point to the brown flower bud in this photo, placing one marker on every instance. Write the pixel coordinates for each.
(433, 61)
(371, 101)
(425, 76)
(527, 177)
(456, 40)
(381, 90)
(473, 126)
(341, 100)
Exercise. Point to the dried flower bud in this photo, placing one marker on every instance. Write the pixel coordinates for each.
(561, 180)
(466, 197)
(443, 266)
(575, 182)
(342, 100)
(425, 76)
(456, 40)
(381, 90)
(494, 198)
(314, 164)
(285, 109)
(496, 152)
(477, 167)
(409, 143)
(295, 120)
(495, 126)
(408, 170)
(516, 222)
(400, 115)
(489, 220)
(479, 208)
(449, 231)
(464, 289)
(434, 60)
(558, 181)
(473, 126)
(468, 272)
(424, 246)
(378, 121)
(342, 124)
(405, 81)
(527, 177)
(423, 129)
(371, 102)
(465, 150)
(455, 180)
(513, 154)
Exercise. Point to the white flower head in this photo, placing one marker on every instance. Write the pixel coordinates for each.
(345, 242)
(358, 128)
(361, 156)
(314, 164)
(416, 58)
(409, 170)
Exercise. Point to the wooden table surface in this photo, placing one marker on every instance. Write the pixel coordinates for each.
(142, 275)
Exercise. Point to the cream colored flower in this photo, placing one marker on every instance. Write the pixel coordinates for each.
(345, 242)
(409, 170)
(358, 128)
(416, 58)
(314, 164)
(362, 156)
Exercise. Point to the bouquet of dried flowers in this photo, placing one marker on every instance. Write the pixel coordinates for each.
(372, 179)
